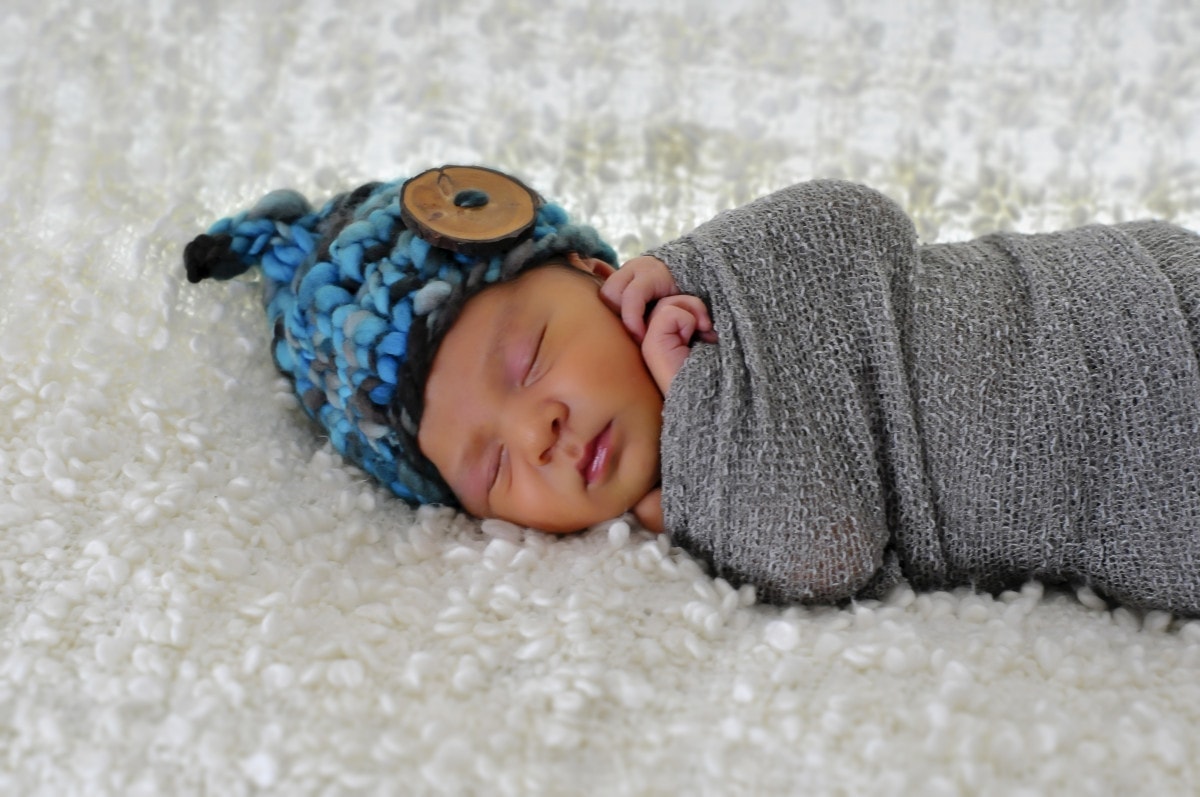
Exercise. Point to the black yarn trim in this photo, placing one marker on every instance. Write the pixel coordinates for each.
(210, 256)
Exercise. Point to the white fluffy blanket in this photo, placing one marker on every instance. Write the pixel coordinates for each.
(197, 598)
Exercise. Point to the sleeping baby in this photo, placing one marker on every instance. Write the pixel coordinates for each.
(844, 407)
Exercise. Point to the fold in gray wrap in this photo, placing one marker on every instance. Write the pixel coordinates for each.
(1014, 407)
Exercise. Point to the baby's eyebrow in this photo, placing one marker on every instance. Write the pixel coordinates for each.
(500, 335)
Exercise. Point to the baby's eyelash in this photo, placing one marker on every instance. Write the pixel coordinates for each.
(495, 476)
(533, 358)
(529, 367)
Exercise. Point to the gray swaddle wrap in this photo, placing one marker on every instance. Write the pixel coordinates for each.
(1014, 407)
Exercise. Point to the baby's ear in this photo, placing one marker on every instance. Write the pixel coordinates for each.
(591, 265)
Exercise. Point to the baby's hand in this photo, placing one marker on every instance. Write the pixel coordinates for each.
(635, 285)
(648, 511)
(674, 321)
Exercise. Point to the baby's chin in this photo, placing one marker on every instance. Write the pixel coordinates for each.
(569, 525)
(574, 525)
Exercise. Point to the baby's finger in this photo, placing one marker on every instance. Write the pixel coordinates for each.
(622, 293)
(669, 320)
(613, 288)
(633, 287)
(633, 309)
(696, 307)
(634, 325)
(667, 343)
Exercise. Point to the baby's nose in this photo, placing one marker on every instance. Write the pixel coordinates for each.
(541, 429)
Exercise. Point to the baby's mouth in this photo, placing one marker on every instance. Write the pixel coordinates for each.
(595, 456)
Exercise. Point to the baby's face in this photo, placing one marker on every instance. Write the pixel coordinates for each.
(539, 408)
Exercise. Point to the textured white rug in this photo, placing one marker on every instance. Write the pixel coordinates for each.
(197, 598)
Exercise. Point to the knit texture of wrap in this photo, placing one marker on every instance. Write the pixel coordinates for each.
(982, 413)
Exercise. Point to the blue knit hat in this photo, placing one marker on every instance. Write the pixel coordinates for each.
(359, 304)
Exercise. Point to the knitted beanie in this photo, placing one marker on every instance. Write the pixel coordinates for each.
(359, 303)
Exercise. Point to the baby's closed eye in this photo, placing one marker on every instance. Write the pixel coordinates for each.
(533, 361)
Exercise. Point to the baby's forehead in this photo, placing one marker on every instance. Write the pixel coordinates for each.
(551, 285)
(494, 321)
